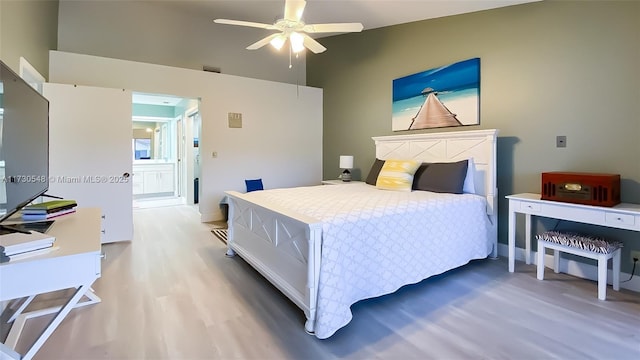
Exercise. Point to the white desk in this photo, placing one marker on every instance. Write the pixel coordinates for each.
(622, 216)
(74, 264)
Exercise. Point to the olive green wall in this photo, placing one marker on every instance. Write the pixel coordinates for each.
(170, 33)
(547, 68)
(28, 29)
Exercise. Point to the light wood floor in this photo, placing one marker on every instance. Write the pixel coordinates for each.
(172, 294)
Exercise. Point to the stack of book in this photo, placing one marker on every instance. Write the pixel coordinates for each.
(17, 244)
(48, 209)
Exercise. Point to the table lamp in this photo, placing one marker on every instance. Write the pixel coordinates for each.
(346, 163)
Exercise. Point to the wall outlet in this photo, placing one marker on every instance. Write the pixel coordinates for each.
(635, 254)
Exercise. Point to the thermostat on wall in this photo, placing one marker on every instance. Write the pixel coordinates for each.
(235, 120)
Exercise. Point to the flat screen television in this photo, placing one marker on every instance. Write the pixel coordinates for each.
(24, 143)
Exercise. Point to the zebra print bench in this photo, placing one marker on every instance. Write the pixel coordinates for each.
(590, 247)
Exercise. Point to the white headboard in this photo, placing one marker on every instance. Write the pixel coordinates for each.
(447, 147)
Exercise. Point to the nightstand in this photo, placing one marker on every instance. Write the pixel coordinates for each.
(338, 182)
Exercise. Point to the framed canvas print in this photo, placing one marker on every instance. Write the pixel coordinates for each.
(440, 97)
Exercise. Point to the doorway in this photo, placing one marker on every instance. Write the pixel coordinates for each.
(160, 150)
(194, 121)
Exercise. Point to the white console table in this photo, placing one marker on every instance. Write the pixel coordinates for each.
(73, 262)
(622, 216)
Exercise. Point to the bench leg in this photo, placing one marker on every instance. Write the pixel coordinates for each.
(540, 268)
(602, 277)
(616, 270)
(556, 261)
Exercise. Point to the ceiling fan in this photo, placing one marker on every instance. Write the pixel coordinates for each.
(292, 28)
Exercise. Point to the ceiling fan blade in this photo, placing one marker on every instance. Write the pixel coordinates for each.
(244, 23)
(260, 43)
(293, 10)
(313, 45)
(330, 28)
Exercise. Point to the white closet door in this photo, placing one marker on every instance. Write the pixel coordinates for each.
(90, 152)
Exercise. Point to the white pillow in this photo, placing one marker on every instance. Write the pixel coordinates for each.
(469, 186)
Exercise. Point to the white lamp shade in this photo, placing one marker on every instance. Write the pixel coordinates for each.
(346, 162)
(278, 41)
(297, 42)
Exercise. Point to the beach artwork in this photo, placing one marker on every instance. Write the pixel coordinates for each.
(441, 97)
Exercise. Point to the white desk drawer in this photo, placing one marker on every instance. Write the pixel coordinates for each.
(619, 219)
(529, 207)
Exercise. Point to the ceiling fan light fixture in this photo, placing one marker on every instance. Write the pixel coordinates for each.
(292, 28)
(297, 42)
(278, 42)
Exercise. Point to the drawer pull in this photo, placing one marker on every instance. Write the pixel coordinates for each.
(531, 207)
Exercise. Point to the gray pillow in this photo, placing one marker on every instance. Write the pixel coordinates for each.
(441, 177)
(373, 173)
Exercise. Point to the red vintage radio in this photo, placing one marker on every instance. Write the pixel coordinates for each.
(581, 188)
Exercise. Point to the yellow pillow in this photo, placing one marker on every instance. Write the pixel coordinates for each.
(397, 175)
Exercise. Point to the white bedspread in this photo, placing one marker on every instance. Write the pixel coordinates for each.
(375, 241)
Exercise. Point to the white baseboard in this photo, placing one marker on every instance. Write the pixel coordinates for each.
(574, 268)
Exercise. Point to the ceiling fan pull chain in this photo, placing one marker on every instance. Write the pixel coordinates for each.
(290, 58)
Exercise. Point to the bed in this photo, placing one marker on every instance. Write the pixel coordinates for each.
(328, 246)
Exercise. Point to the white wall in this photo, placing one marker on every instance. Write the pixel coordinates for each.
(281, 137)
